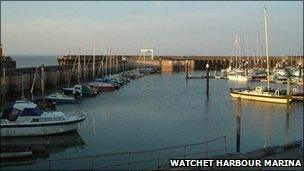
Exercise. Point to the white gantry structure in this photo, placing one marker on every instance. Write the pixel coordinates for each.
(144, 52)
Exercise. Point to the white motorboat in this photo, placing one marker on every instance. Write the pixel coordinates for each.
(23, 118)
(61, 98)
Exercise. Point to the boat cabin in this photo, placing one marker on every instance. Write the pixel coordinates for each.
(261, 89)
(23, 109)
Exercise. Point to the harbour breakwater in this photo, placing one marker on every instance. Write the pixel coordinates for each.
(169, 63)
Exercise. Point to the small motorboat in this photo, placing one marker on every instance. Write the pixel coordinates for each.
(24, 118)
(84, 90)
(111, 81)
(61, 98)
(137, 73)
(102, 86)
(258, 73)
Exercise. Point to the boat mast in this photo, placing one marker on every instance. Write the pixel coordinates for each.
(236, 50)
(232, 53)
(72, 70)
(266, 39)
(106, 74)
(42, 83)
(3, 88)
(34, 79)
(22, 87)
(78, 67)
(93, 61)
(247, 52)
(116, 60)
(111, 61)
(84, 68)
(257, 50)
(101, 66)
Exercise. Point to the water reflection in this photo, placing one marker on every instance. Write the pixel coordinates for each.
(21, 150)
(94, 124)
(286, 133)
(109, 106)
(266, 129)
(238, 125)
(266, 111)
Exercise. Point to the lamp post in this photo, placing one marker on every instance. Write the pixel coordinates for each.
(186, 69)
(207, 82)
(247, 67)
(300, 70)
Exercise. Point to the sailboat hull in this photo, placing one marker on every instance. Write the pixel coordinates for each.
(272, 99)
(239, 78)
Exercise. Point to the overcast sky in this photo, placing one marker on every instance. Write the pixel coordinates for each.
(181, 28)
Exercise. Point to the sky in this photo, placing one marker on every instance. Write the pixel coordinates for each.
(169, 28)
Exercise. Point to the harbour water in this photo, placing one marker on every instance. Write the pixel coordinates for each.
(164, 110)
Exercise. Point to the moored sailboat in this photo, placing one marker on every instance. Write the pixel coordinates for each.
(263, 93)
(237, 73)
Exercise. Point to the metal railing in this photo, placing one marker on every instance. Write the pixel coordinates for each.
(155, 156)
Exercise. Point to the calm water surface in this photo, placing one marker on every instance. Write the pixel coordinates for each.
(164, 110)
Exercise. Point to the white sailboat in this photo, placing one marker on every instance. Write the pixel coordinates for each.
(237, 73)
(263, 93)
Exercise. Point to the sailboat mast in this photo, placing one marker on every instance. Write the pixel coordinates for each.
(257, 49)
(72, 70)
(266, 39)
(34, 79)
(42, 83)
(22, 87)
(94, 61)
(236, 50)
(84, 68)
(3, 87)
(78, 68)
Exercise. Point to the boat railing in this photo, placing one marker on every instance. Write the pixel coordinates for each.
(145, 159)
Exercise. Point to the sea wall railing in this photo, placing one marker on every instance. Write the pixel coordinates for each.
(145, 159)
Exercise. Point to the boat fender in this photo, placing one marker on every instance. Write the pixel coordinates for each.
(295, 90)
(277, 92)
